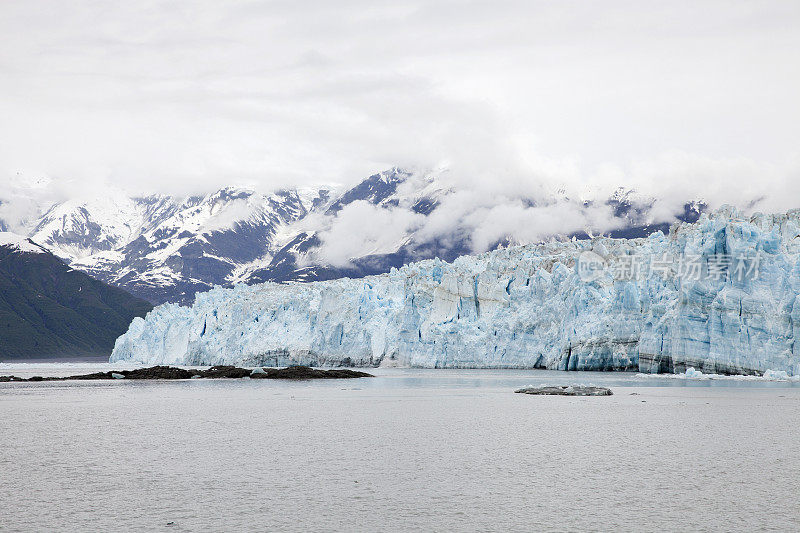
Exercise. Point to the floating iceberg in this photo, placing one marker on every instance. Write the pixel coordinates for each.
(719, 295)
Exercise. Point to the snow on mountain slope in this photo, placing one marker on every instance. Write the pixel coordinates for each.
(201, 242)
(76, 229)
(397, 217)
(558, 305)
(19, 243)
(365, 230)
(164, 248)
(159, 247)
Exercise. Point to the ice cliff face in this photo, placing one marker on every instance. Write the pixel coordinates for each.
(720, 295)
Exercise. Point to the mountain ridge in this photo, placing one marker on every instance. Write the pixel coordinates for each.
(163, 248)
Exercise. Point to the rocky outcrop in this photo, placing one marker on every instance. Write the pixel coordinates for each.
(216, 372)
(566, 390)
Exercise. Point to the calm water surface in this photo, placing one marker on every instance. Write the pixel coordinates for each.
(424, 450)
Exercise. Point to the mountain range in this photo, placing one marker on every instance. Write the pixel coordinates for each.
(166, 248)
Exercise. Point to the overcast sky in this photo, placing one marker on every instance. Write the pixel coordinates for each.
(177, 96)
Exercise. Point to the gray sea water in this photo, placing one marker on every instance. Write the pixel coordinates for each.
(409, 450)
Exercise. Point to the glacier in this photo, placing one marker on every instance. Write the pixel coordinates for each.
(533, 306)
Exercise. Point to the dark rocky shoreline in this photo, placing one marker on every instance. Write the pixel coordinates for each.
(215, 372)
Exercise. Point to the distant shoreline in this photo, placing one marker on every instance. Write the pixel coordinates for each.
(76, 359)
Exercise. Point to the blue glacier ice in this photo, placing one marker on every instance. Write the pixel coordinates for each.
(535, 306)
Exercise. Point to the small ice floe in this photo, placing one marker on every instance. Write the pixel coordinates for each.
(257, 370)
(566, 390)
(779, 375)
(117, 376)
(694, 374)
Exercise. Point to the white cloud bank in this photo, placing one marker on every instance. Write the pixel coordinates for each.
(186, 96)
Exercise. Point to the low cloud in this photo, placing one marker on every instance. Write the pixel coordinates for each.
(180, 98)
(551, 202)
(362, 229)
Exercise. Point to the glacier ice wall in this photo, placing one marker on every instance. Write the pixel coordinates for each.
(521, 307)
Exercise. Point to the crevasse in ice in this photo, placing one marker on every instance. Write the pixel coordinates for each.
(521, 307)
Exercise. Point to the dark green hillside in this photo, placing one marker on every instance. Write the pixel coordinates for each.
(49, 310)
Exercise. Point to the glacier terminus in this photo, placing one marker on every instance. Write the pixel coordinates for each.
(719, 295)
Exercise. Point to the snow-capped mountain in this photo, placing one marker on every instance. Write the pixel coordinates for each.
(397, 192)
(77, 229)
(428, 217)
(165, 248)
